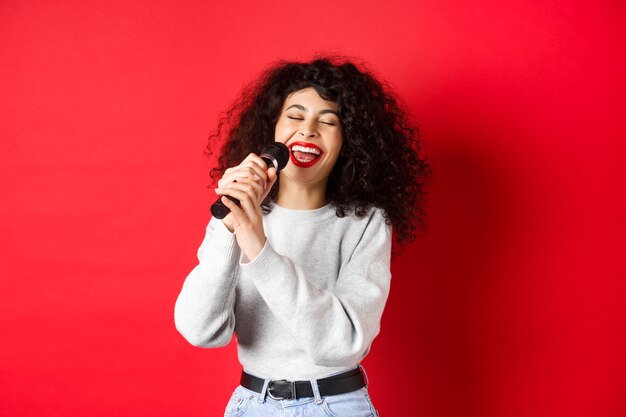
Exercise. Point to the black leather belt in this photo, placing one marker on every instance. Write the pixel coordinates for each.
(290, 390)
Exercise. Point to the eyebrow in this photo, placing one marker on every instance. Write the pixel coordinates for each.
(301, 107)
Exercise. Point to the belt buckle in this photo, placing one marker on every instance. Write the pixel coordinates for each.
(282, 381)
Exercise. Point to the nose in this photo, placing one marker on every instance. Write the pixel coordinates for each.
(308, 130)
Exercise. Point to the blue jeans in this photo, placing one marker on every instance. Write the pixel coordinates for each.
(246, 403)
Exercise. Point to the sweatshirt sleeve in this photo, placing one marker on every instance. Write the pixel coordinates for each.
(336, 327)
(204, 310)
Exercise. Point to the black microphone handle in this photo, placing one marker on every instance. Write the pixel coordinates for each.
(219, 209)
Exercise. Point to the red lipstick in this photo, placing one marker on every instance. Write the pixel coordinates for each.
(304, 154)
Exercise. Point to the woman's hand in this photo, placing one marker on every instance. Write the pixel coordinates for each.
(248, 182)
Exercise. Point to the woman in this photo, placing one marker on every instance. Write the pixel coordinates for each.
(300, 268)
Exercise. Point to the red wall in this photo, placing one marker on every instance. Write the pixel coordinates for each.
(513, 305)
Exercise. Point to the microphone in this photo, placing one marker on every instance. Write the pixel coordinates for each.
(274, 155)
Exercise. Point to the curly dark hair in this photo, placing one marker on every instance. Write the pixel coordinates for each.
(379, 163)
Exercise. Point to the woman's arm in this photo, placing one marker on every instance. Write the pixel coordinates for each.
(335, 327)
(204, 310)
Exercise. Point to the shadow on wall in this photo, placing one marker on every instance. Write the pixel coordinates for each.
(444, 321)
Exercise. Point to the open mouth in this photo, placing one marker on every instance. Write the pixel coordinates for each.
(304, 155)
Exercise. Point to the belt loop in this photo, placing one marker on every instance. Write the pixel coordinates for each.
(316, 391)
(263, 391)
(367, 382)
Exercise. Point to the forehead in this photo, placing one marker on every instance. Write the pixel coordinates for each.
(310, 100)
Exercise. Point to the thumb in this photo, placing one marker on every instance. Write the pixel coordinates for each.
(272, 174)
(271, 179)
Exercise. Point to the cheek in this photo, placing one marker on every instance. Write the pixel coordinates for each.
(282, 133)
(338, 144)
(335, 155)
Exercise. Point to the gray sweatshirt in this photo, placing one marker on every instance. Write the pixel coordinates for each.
(309, 305)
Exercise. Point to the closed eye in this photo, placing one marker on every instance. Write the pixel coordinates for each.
(294, 118)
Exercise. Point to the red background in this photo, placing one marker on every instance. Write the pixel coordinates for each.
(513, 305)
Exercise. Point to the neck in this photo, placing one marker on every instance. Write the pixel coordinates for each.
(301, 196)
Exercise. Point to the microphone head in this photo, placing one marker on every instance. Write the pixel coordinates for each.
(277, 152)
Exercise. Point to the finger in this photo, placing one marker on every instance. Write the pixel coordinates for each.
(246, 211)
(271, 180)
(250, 189)
(246, 200)
(256, 159)
(246, 185)
(246, 170)
(228, 171)
(258, 168)
(230, 175)
(259, 164)
(236, 213)
(272, 175)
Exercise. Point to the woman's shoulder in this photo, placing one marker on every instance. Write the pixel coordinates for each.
(370, 214)
(368, 221)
